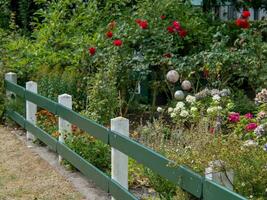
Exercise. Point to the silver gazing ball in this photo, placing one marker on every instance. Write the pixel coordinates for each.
(172, 76)
(179, 95)
(186, 85)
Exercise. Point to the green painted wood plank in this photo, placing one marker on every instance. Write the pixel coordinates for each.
(212, 191)
(16, 117)
(190, 181)
(91, 127)
(181, 176)
(18, 90)
(41, 101)
(89, 170)
(41, 135)
(119, 192)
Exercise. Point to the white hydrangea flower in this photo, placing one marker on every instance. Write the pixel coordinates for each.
(219, 108)
(214, 92)
(173, 115)
(193, 109)
(248, 143)
(184, 113)
(190, 99)
(210, 110)
(170, 110)
(216, 97)
(159, 109)
(180, 105)
(176, 110)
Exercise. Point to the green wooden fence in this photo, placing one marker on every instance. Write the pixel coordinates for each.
(182, 176)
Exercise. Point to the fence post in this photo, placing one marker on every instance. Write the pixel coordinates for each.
(224, 178)
(63, 125)
(119, 161)
(12, 77)
(31, 108)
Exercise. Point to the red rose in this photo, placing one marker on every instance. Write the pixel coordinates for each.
(109, 34)
(92, 51)
(117, 43)
(176, 25)
(242, 23)
(163, 17)
(245, 14)
(143, 24)
(182, 33)
(251, 127)
(170, 29)
(138, 21)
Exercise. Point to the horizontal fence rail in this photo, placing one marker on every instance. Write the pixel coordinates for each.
(182, 176)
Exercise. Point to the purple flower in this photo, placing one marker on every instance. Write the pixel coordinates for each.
(265, 147)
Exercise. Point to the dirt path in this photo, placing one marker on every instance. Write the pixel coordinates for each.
(25, 176)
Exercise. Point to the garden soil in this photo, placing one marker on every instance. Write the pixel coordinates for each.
(30, 172)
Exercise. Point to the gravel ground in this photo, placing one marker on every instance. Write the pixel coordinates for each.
(24, 175)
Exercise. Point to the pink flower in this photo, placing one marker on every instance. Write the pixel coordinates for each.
(251, 127)
(248, 116)
(234, 117)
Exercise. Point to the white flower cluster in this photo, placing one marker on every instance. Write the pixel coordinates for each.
(214, 109)
(179, 110)
(190, 99)
(214, 92)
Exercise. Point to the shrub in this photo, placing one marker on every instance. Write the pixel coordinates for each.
(243, 104)
(196, 148)
(95, 151)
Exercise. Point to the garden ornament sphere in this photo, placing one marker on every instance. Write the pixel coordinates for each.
(172, 76)
(179, 95)
(186, 85)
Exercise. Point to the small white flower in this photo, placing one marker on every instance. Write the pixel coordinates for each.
(214, 92)
(184, 113)
(173, 115)
(190, 99)
(219, 108)
(216, 97)
(170, 110)
(159, 109)
(193, 109)
(210, 110)
(250, 143)
(180, 105)
(176, 110)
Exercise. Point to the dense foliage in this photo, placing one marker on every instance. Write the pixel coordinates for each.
(112, 56)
